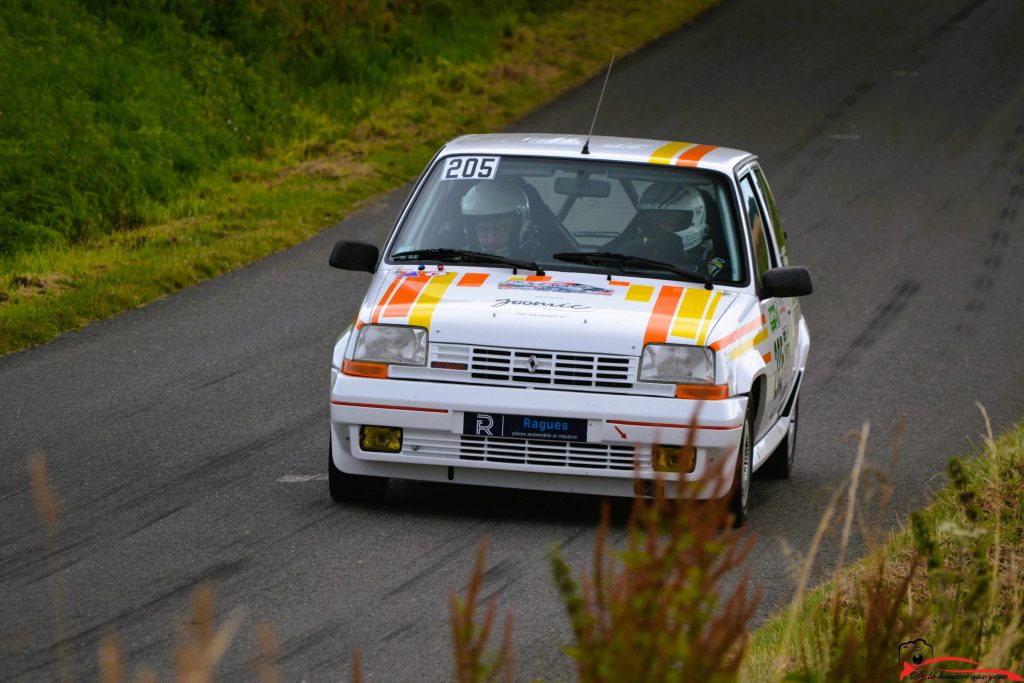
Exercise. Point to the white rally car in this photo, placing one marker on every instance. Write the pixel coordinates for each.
(573, 315)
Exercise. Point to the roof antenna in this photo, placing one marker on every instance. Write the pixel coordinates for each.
(586, 145)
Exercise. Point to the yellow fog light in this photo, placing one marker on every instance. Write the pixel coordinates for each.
(380, 439)
(674, 458)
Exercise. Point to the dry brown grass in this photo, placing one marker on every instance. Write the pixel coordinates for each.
(200, 644)
(657, 610)
(339, 166)
(470, 639)
(264, 666)
(29, 285)
(49, 513)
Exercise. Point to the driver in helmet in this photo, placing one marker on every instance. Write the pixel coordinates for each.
(672, 227)
(496, 216)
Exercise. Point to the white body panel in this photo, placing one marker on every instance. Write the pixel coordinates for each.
(581, 320)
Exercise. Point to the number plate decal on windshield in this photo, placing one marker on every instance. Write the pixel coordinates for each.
(470, 168)
(525, 426)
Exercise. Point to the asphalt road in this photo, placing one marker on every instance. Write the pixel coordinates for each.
(893, 135)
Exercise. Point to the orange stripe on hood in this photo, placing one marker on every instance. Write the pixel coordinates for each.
(403, 299)
(736, 334)
(383, 300)
(661, 317)
(472, 280)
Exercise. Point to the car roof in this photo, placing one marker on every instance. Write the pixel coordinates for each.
(602, 148)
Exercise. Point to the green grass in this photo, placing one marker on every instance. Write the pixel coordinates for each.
(101, 119)
(203, 140)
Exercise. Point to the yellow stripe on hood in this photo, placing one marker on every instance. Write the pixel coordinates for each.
(431, 295)
(691, 313)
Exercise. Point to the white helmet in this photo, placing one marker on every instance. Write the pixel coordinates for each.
(679, 206)
(493, 199)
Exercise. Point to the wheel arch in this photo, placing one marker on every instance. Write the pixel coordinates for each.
(751, 376)
(341, 345)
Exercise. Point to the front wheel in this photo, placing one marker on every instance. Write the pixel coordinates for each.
(740, 504)
(353, 488)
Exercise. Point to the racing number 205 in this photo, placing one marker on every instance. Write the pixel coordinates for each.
(470, 168)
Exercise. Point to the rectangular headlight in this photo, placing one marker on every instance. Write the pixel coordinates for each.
(392, 344)
(677, 364)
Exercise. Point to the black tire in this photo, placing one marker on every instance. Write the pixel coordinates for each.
(740, 504)
(353, 488)
(780, 464)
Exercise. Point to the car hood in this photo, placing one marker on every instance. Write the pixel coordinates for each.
(560, 311)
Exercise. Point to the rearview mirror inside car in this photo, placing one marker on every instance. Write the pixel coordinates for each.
(583, 187)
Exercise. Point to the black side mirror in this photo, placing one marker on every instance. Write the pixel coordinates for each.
(354, 255)
(791, 281)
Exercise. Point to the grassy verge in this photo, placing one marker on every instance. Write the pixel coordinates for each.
(953, 576)
(248, 207)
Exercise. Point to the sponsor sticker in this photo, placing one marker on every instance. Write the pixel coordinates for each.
(561, 287)
(524, 426)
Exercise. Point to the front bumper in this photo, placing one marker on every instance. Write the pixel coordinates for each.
(615, 459)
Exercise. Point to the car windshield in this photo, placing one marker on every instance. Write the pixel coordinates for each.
(551, 212)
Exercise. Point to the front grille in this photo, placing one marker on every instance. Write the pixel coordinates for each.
(558, 454)
(524, 452)
(525, 367)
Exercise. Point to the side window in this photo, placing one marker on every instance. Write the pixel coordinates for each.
(773, 215)
(755, 218)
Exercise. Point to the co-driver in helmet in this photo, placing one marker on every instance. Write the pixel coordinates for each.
(672, 227)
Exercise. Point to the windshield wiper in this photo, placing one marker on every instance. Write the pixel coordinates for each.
(445, 255)
(624, 261)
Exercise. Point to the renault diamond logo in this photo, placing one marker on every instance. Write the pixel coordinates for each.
(531, 364)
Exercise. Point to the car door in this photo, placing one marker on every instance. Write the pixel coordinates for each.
(791, 311)
(789, 307)
(777, 351)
